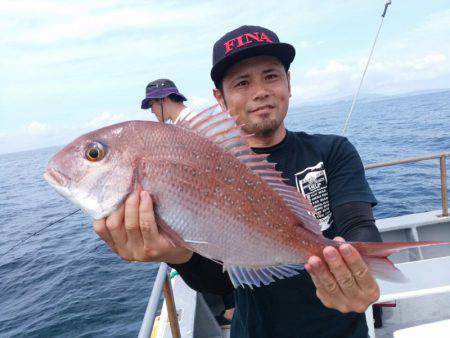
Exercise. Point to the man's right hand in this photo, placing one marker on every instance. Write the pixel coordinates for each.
(132, 233)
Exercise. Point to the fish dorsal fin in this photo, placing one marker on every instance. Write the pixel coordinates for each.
(217, 126)
(301, 206)
(222, 129)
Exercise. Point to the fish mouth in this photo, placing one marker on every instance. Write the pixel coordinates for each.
(55, 178)
(60, 183)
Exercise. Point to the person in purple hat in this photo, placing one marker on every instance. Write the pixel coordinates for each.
(327, 299)
(165, 101)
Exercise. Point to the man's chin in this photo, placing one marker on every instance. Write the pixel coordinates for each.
(262, 129)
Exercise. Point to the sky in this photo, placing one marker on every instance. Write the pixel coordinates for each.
(67, 67)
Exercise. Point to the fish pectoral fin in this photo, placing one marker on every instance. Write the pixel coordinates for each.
(175, 239)
(193, 241)
(262, 275)
(171, 235)
(197, 243)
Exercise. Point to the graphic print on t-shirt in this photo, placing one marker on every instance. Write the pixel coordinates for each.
(312, 182)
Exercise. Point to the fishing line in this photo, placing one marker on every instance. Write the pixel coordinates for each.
(344, 130)
(37, 232)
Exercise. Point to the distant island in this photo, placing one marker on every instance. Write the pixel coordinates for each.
(367, 97)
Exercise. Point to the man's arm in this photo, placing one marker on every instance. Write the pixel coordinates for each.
(354, 221)
(204, 275)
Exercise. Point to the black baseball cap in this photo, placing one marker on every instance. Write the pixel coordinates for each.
(158, 89)
(245, 42)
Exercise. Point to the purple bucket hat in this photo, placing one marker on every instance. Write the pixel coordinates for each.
(158, 89)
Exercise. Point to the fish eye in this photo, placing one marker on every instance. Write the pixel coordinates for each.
(95, 152)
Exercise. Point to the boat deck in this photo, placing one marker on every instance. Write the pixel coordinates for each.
(424, 298)
(413, 312)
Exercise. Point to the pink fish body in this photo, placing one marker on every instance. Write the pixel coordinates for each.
(212, 195)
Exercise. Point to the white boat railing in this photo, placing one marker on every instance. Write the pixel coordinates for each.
(162, 283)
(153, 302)
(441, 157)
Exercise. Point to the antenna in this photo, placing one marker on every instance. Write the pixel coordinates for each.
(355, 97)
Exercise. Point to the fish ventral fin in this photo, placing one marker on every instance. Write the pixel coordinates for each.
(240, 276)
(222, 129)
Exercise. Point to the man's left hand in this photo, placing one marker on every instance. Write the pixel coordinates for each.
(342, 279)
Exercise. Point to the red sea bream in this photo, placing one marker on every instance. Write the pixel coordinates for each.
(212, 194)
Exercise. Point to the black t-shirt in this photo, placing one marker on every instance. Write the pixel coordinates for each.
(328, 170)
(325, 168)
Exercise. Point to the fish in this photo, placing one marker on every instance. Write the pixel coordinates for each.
(212, 194)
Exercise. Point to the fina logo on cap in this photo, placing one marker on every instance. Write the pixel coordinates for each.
(245, 39)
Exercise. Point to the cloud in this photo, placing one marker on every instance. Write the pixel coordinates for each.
(72, 58)
(333, 67)
(35, 134)
(405, 60)
(87, 21)
(104, 119)
(36, 128)
(145, 115)
(53, 8)
(200, 103)
(304, 44)
(340, 78)
(427, 61)
(432, 30)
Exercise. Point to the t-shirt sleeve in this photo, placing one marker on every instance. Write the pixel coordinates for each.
(346, 177)
(354, 222)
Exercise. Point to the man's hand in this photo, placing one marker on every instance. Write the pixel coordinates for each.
(343, 280)
(132, 233)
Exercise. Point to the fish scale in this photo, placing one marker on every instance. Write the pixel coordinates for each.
(194, 197)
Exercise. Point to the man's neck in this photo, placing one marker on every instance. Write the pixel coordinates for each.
(175, 110)
(269, 140)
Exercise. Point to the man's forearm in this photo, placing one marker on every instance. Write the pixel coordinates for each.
(204, 275)
(355, 222)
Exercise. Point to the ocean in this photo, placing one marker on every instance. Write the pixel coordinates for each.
(65, 282)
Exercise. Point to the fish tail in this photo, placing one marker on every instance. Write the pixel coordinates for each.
(376, 257)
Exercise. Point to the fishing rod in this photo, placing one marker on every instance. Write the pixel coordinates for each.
(386, 5)
(40, 230)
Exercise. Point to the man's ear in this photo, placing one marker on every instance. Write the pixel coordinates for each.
(220, 99)
(288, 75)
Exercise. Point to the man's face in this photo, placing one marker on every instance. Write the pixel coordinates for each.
(257, 90)
(155, 106)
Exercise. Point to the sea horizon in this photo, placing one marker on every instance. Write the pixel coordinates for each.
(364, 98)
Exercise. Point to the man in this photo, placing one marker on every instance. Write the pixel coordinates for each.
(165, 101)
(252, 79)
